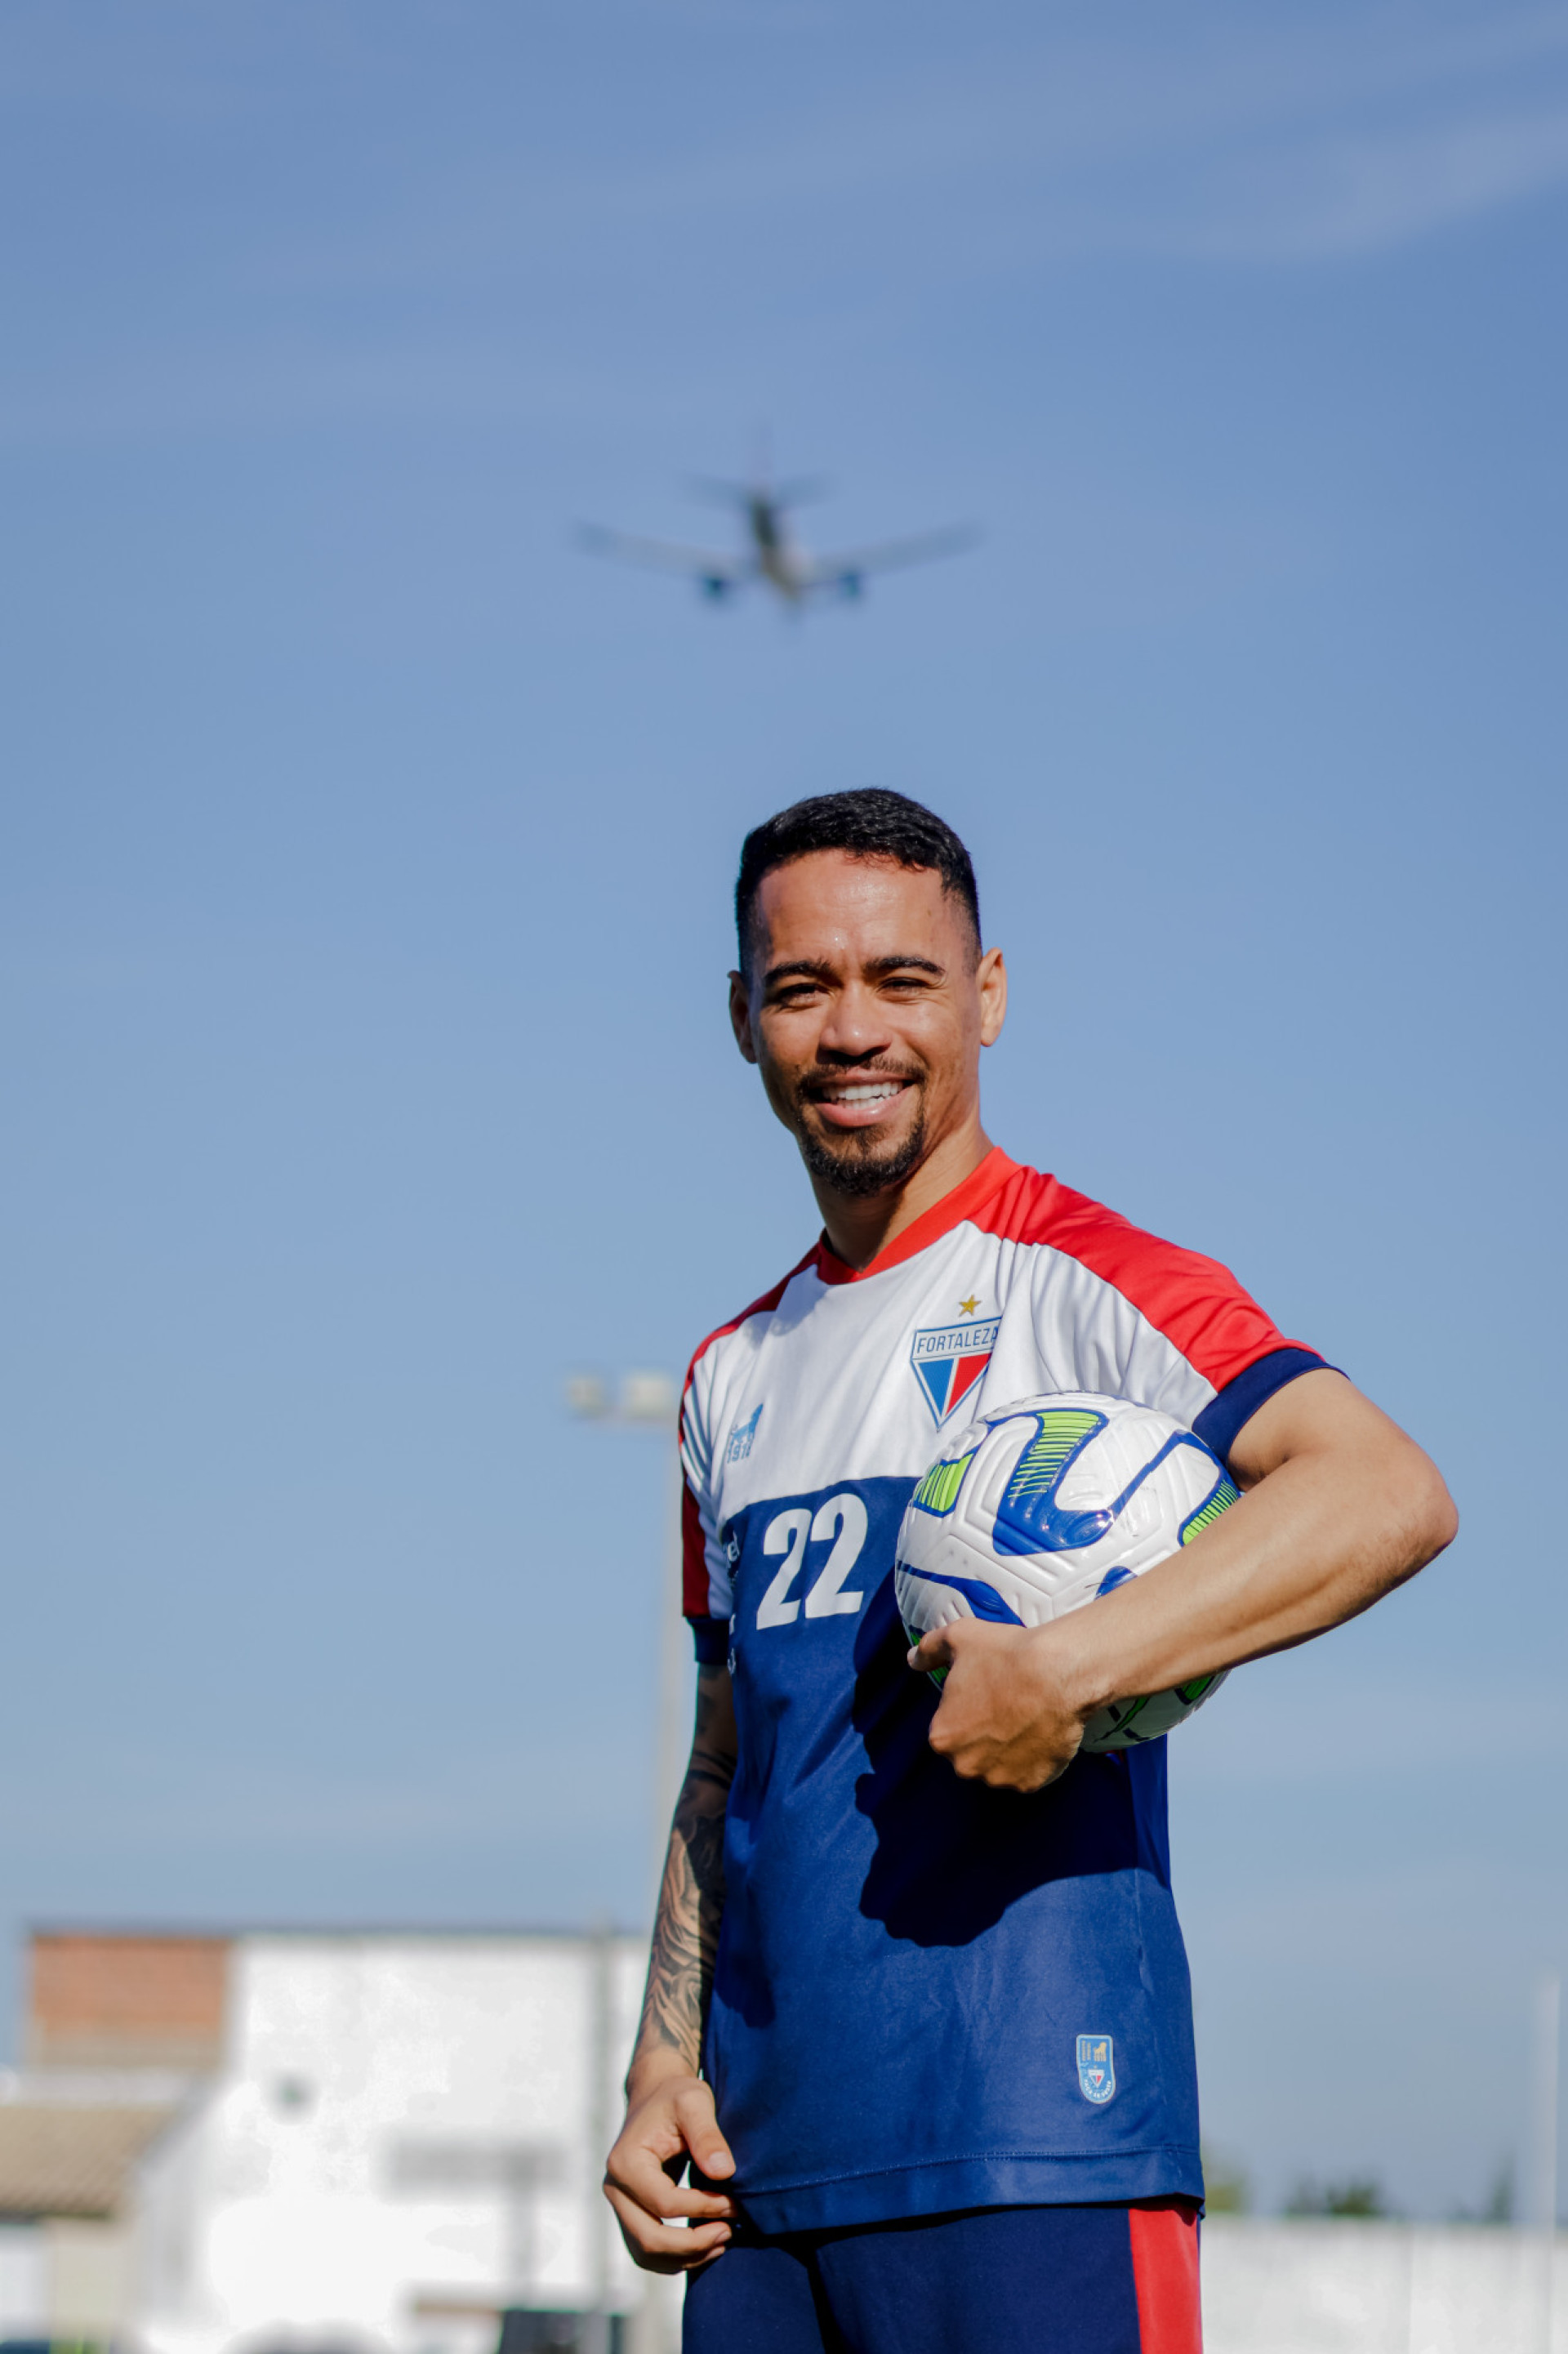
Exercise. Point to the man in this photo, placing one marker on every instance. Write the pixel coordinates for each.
(890, 1927)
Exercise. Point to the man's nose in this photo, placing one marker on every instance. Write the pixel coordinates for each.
(856, 1025)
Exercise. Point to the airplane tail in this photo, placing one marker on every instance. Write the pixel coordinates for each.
(793, 492)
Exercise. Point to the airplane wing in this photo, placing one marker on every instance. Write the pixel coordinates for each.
(847, 571)
(716, 573)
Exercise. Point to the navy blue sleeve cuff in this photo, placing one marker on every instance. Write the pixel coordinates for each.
(711, 1638)
(1220, 1423)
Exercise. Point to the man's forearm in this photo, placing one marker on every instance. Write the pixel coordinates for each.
(1320, 1537)
(1280, 1573)
(690, 1900)
(1340, 1506)
(685, 1934)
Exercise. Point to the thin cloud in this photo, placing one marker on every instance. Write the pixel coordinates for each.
(1273, 137)
(1357, 194)
(1248, 141)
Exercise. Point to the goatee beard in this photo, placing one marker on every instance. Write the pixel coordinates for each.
(855, 1172)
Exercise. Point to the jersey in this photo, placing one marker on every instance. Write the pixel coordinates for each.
(928, 1994)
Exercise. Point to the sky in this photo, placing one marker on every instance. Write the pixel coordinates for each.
(367, 853)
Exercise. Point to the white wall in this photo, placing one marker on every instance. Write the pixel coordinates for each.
(402, 2124)
(24, 2282)
(64, 2278)
(1302, 2287)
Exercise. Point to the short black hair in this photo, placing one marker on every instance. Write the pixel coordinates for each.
(871, 823)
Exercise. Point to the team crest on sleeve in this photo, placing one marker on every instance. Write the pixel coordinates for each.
(949, 1360)
(742, 1436)
(1097, 2068)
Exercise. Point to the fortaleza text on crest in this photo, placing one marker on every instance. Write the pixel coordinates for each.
(949, 1360)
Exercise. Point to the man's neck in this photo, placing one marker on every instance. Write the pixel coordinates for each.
(859, 1228)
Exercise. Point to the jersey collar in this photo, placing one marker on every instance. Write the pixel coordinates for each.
(986, 1179)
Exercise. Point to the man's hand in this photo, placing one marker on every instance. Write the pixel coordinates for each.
(1006, 1716)
(665, 2125)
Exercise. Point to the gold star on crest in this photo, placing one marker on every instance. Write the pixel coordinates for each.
(967, 1306)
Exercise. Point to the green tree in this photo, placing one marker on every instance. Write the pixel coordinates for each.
(1499, 2205)
(1357, 2194)
(1226, 2191)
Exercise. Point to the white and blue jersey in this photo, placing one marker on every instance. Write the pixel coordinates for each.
(931, 1994)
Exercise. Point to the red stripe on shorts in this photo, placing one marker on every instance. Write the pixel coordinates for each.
(1164, 2236)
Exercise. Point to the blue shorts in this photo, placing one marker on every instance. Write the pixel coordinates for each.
(994, 2280)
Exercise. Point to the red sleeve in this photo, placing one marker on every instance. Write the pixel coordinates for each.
(1194, 1301)
(693, 1557)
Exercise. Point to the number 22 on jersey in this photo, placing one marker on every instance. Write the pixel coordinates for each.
(840, 1525)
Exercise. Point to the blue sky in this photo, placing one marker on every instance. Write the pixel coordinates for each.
(365, 858)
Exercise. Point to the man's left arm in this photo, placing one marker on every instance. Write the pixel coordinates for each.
(1338, 1507)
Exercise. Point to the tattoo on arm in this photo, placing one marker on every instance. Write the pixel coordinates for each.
(691, 1901)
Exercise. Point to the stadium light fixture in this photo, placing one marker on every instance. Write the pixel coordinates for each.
(646, 1399)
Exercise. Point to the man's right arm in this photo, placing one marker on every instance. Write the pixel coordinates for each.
(670, 2113)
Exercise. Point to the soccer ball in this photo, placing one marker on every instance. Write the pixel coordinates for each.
(1047, 1504)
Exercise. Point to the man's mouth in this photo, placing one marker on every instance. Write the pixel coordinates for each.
(857, 1103)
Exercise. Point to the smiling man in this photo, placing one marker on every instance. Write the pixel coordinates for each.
(890, 1929)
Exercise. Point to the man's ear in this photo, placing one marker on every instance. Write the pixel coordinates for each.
(740, 1015)
(993, 978)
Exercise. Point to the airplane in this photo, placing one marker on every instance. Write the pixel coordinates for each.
(772, 555)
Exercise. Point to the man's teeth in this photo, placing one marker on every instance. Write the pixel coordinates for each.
(875, 1093)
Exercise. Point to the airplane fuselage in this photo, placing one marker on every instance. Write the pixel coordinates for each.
(777, 558)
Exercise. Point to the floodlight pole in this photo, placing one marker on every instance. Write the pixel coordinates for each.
(646, 1401)
(596, 2335)
(650, 1402)
(1547, 2039)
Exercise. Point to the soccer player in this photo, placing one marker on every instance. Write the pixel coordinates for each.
(917, 2014)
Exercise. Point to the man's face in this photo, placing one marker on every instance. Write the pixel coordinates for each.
(865, 1011)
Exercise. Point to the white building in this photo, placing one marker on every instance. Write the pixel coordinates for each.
(406, 2137)
(374, 2141)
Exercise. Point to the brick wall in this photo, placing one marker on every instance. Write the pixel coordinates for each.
(124, 2002)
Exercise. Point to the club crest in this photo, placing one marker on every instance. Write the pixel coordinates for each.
(1097, 2068)
(950, 1359)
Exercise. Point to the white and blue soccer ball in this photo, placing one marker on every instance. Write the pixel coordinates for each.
(1046, 1505)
